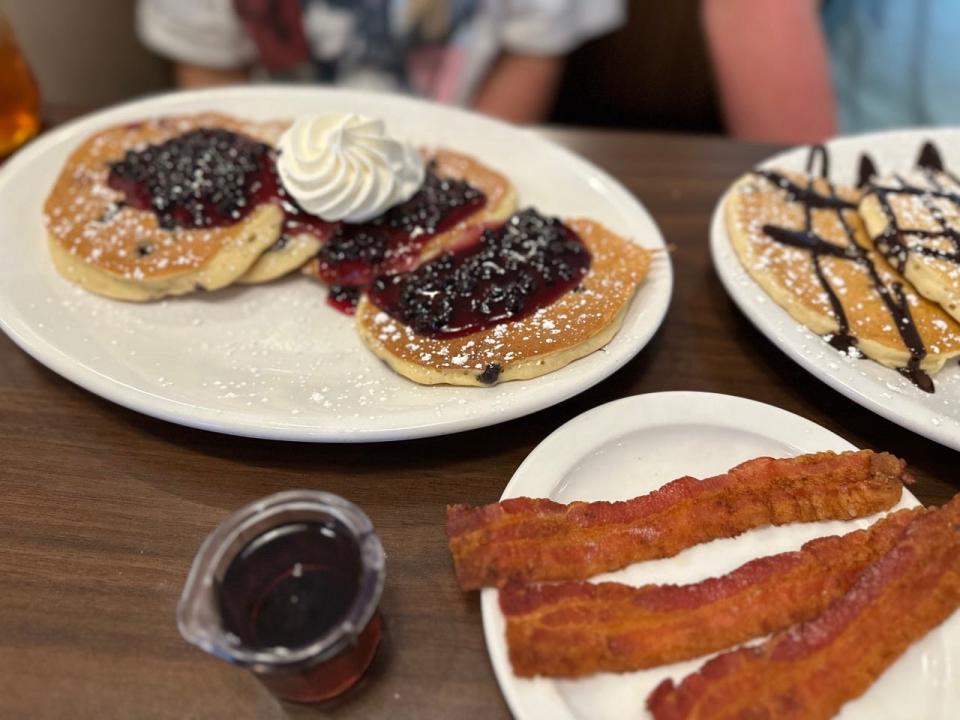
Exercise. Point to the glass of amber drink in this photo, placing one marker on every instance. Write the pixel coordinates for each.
(19, 96)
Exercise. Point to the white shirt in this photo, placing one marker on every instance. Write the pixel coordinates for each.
(434, 48)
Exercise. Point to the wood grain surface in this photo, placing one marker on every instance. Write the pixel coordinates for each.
(103, 509)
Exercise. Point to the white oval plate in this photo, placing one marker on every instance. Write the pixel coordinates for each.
(275, 361)
(880, 389)
(631, 447)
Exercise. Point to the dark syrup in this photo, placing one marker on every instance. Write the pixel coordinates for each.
(292, 585)
(893, 296)
(509, 272)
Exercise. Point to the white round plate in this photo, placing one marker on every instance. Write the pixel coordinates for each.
(275, 361)
(631, 447)
(880, 389)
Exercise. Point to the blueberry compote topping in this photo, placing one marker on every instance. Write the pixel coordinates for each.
(208, 177)
(211, 177)
(201, 179)
(512, 271)
(357, 253)
(344, 298)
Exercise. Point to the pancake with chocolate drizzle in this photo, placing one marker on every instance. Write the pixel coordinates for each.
(801, 238)
(914, 220)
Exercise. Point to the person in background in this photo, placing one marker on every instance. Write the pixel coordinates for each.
(501, 57)
(796, 71)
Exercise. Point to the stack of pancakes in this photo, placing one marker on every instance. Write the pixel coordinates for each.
(123, 252)
(570, 328)
(98, 242)
(914, 219)
(820, 251)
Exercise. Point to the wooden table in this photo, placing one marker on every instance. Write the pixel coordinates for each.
(103, 509)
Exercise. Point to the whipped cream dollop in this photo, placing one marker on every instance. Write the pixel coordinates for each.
(344, 166)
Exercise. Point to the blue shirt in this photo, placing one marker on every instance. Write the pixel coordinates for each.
(894, 62)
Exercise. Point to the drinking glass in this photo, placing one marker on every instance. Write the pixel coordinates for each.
(19, 96)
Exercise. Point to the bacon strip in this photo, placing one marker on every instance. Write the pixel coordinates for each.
(577, 628)
(524, 539)
(810, 670)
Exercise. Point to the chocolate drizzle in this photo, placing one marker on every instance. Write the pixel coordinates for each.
(821, 152)
(866, 171)
(894, 297)
(892, 242)
(929, 158)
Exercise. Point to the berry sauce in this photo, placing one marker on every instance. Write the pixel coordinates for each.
(200, 179)
(206, 178)
(344, 298)
(391, 243)
(211, 177)
(510, 272)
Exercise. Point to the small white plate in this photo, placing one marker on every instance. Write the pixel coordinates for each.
(631, 447)
(275, 361)
(880, 389)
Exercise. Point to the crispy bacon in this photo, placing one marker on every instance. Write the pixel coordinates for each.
(577, 628)
(524, 539)
(811, 669)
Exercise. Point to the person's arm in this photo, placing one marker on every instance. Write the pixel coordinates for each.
(520, 88)
(772, 68)
(188, 76)
(535, 36)
(205, 41)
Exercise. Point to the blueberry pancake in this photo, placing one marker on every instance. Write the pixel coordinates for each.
(165, 207)
(291, 251)
(458, 190)
(516, 301)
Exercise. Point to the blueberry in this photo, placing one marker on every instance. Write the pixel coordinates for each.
(197, 179)
(517, 268)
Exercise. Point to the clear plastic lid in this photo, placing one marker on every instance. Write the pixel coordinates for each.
(199, 616)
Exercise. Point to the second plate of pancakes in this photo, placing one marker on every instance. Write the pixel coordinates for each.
(274, 360)
(884, 390)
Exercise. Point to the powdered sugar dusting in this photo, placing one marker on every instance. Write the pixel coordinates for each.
(122, 350)
(878, 388)
(932, 211)
(90, 220)
(616, 269)
(792, 272)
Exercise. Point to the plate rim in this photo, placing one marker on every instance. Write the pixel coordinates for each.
(682, 399)
(754, 312)
(168, 409)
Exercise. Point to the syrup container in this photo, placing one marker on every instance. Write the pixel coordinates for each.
(289, 588)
